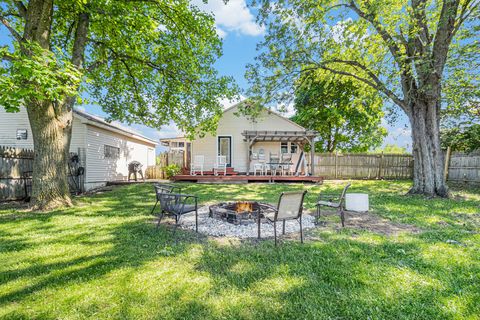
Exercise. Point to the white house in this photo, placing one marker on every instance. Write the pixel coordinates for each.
(175, 143)
(242, 140)
(105, 149)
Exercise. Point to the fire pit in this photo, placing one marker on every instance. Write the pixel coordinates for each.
(239, 212)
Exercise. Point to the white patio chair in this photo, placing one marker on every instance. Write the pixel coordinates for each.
(286, 166)
(197, 165)
(290, 207)
(274, 163)
(258, 167)
(220, 164)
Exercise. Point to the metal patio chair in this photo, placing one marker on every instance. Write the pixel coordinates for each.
(333, 201)
(164, 188)
(177, 205)
(290, 207)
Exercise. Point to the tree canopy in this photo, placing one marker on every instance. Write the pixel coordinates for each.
(465, 138)
(391, 148)
(403, 49)
(143, 62)
(346, 114)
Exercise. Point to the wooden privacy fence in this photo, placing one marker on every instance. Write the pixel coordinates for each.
(463, 168)
(363, 166)
(459, 167)
(165, 159)
(14, 164)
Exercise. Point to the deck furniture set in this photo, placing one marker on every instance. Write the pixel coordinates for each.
(275, 165)
(289, 207)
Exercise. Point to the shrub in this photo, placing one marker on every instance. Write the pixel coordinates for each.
(171, 170)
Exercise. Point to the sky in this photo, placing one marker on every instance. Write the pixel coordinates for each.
(235, 23)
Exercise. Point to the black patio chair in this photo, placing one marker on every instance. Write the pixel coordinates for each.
(177, 205)
(290, 207)
(164, 188)
(333, 201)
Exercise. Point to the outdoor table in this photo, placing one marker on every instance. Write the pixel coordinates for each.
(280, 164)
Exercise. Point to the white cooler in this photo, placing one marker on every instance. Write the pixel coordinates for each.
(356, 202)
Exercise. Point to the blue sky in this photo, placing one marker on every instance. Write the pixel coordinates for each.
(236, 25)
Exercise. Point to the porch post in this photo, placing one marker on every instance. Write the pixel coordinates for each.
(248, 156)
(312, 156)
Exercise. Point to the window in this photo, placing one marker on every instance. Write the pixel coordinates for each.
(22, 134)
(181, 144)
(111, 152)
(173, 144)
(284, 147)
(293, 148)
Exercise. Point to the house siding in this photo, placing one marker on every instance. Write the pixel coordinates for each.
(102, 169)
(88, 141)
(10, 122)
(233, 125)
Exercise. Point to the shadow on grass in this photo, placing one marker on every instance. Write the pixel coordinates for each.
(340, 278)
(337, 277)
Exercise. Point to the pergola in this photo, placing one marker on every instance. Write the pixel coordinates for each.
(301, 138)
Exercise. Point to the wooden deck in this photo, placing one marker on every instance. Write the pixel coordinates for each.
(239, 178)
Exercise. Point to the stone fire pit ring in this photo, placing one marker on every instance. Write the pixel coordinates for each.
(214, 225)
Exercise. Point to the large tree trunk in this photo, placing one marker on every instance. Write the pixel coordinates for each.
(51, 140)
(428, 157)
(51, 121)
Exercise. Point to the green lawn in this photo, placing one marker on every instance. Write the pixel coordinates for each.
(104, 259)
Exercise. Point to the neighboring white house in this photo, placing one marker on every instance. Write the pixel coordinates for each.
(241, 139)
(105, 149)
(175, 144)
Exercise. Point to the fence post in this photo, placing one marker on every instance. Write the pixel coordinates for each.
(447, 163)
(336, 155)
(380, 163)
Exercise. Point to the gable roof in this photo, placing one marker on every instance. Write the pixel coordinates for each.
(102, 123)
(235, 106)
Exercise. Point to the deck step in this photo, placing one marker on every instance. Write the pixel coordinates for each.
(241, 178)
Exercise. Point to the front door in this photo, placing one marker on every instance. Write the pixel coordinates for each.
(225, 148)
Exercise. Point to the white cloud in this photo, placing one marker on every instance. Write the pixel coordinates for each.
(168, 131)
(234, 16)
(226, 103)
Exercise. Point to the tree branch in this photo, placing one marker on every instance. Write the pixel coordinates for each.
(95, 65)
(22, 10)
(390, 42)
(14, 32)
(134, 80)
(464, 14)
(6, 56)
(444, 35)
(81, 39)
(375, 82)
(420, 17)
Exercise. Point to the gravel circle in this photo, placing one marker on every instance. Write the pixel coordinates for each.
(219, 228)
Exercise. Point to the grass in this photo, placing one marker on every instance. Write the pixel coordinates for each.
(103, 259)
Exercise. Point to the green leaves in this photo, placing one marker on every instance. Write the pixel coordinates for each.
(347, 115)
(40, 76)
(463, 138)
(148, 62)
(388, 45)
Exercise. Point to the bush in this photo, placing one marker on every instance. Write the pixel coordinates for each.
(171, 170)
